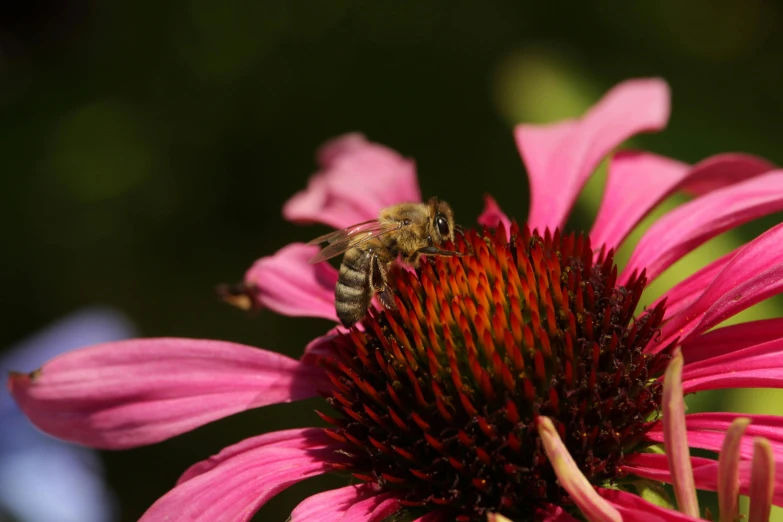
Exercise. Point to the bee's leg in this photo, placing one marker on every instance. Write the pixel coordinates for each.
(434, 251)
(379, 284)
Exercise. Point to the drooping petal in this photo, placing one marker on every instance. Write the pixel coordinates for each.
(655, 466)
(691, 224)
(289, 284)
(357, 179)
(767, 426)
(762, 482)
(356, 503)
(728, 470)
(708, 430)
(732, 338)
(713, 441)
(705, 472)
(758, 366)
(592, 506)
(131, 393)
(561, 157)
(675, 438)
(687, 291)
(492, 216)
(723, 170)
(297, 438)
(639, 181)
(752, 275)
(635, 509)
(238, 481)
(636, 183)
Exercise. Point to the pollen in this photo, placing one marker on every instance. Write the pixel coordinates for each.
(438, 399)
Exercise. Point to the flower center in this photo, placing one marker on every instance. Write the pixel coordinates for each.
(439, 398)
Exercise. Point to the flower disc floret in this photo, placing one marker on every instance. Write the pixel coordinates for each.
(439, 398)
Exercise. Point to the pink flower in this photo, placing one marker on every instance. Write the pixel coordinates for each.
(449, 405)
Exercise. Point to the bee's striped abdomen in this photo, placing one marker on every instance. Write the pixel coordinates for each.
(352, 295)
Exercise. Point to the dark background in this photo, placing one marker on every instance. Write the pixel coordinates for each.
(146, 148)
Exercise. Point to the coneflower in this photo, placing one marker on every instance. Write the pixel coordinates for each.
(496, 367)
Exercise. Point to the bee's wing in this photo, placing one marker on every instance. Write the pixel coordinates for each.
(331, 237)
(348, 238)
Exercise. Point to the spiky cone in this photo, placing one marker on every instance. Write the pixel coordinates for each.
(439, 399)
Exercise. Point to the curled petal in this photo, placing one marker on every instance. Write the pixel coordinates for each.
(131, 393)
(752, 275)
(288, 284)
(636, 183)
(561, 157)
(592, 506)
(493, 216)
(238, 481)
(675, 437)
(357, 179)
(691, 224)
(762, 482)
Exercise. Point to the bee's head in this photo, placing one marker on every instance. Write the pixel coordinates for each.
(442, 225)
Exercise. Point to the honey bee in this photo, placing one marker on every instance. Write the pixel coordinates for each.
(407, 230)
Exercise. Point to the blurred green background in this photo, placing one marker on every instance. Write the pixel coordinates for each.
(146, 148)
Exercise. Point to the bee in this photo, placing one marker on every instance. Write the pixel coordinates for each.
(407, 231)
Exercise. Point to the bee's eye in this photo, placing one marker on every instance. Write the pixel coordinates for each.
(443, 225)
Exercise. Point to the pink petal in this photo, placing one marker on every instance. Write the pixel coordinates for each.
(707, 479)
(288, 284)
(238, 481)
(635, 509)
(713, 440)
(637, 182)
(731, 339)
(592, 506)
(561, 157)
(705, 472)
(131, 393)
(758, 366)
(752, 275)
(492, 216)
(683, 295)
(722, 170)
(768, 426)
(675, 437)
(297, 438)
(357, 503)
(357, 179)
(655, 466)
(691, 224)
